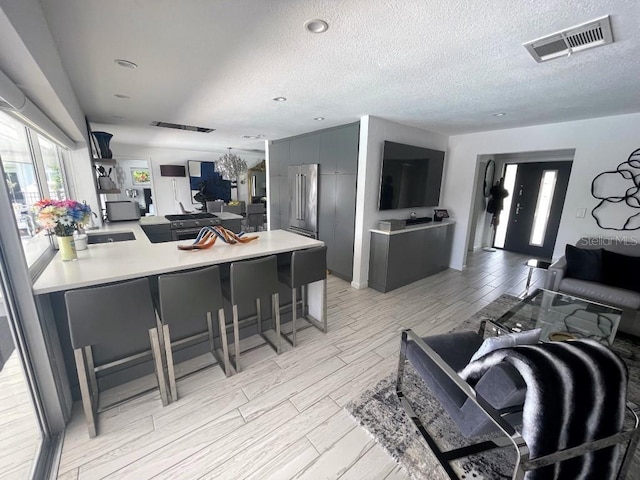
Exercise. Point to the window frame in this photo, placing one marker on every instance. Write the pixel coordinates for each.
(37, 266)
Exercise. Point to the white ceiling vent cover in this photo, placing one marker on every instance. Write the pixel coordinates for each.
(562, 44)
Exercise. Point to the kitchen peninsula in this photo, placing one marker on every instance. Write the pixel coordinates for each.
(106, 263)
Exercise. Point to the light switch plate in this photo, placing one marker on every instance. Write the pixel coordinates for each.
(581, 213)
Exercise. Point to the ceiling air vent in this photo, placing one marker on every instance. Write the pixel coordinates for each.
(177, 126)
(562, 44)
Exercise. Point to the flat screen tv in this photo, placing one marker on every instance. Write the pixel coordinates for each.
(411, 176)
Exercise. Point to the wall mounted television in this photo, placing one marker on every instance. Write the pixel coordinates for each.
(411, 176)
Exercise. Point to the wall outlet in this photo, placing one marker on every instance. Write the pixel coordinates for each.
(581, 213)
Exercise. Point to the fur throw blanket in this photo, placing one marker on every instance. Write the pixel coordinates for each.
(576, 393)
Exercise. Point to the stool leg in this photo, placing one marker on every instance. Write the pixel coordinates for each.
(236, 338)
(223, 340)
(91, 371)
(324, 305)
(157, 363)
(259, 314)
(87, 403)
(303, 292)
(170, 367)
(294, 311)
(212, 345)
(276, 305)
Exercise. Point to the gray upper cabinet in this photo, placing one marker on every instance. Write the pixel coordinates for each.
(279, 158)
(274, 202)
(345, 219)
(283, 202)
(304, 150)
(339, 149)
(326, 214)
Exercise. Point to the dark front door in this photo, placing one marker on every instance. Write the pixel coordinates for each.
(536, 207)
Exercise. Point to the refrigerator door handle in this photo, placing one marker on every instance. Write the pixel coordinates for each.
(298, 195)
(302, 196)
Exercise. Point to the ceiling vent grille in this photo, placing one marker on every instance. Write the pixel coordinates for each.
(177, 126)
(575, 39)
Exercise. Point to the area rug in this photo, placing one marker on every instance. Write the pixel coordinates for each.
(380, 413)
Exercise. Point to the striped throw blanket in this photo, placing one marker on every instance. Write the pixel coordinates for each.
(576, 393)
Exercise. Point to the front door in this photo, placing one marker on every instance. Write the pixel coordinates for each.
(536, 206)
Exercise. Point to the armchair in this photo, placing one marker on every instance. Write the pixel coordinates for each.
(493, 406)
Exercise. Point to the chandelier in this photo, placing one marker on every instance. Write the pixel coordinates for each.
(231, 166)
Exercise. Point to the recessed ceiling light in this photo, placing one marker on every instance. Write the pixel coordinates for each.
(120, 95)
(316, 26)
(125, 63)
(499, 114)
(280, 99)
(319, 119)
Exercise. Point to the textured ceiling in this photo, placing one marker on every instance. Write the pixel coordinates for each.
(445, 66)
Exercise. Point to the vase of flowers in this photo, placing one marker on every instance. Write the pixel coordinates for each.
(63, 217)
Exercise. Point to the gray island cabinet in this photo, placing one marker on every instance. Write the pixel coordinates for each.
(401, 257)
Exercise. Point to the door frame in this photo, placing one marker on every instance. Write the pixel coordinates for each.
(564, 168)
(32, 342)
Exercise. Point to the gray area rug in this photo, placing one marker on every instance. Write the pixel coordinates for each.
(380, 413)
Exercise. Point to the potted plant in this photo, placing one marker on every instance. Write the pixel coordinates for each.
(63, 217)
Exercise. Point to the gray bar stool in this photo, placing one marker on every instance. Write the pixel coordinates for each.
(307, 266)
(187, 301)
(215, 206)
(255, 216)
(112, 325)
(249, 281)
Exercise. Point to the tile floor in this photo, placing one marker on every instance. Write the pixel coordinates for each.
(282, 417)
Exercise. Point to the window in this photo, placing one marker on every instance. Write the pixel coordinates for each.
(53, 171)
(33, 170)
(543, 207)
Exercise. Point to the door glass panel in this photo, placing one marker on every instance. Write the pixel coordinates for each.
(20, 432)
(543, 207)
(509, 184)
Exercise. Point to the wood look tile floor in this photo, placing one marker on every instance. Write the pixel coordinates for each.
(20, 435)
(282, 416)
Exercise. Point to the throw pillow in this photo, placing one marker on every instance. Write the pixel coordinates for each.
(529, 337)
(621, 270)
(584, 264)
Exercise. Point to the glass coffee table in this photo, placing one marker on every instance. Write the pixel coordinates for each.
(561, 317)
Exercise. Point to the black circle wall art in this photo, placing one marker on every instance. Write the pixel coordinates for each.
(619, 194)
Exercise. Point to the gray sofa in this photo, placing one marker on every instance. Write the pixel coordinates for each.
(627, 300)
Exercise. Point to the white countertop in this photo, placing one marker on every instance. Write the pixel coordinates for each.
(412, 228)
(112, 262)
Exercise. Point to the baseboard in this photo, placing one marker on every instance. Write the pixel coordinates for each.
(359, 286)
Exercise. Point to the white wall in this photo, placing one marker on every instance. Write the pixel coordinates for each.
(162, 186)
(373, 132)
(600, 144)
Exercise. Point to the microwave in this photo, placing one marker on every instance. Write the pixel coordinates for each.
(123, 210)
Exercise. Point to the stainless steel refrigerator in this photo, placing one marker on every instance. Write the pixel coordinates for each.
(303, 199)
